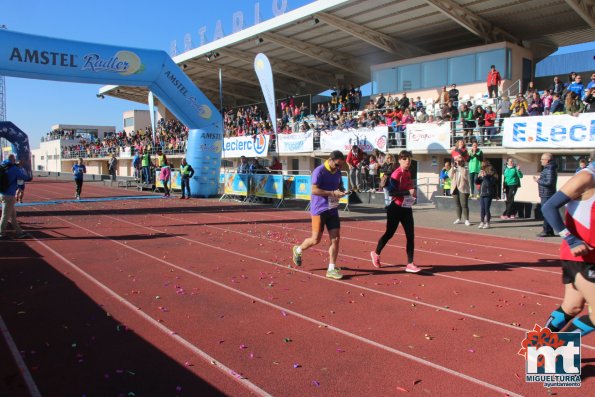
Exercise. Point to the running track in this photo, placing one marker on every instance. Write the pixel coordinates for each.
(194, 297)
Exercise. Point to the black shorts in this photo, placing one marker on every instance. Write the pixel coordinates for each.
(328, 219)
(571, 268)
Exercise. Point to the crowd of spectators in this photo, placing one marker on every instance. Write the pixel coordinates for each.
(59, 134)
(170, 138)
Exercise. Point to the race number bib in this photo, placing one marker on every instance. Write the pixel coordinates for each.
(333, 202)
(408, 201)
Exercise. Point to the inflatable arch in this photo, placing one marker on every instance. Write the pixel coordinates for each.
(20, 144)
(38, 57)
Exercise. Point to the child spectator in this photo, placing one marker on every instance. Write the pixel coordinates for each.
(487, 180)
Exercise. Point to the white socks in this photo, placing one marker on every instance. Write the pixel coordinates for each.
(299, 249)
(331, 266)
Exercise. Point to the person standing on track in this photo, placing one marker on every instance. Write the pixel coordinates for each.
(577, 252)
(327, 189)
(78, 170)
(7, 197)
(186, 172)
(400, 210)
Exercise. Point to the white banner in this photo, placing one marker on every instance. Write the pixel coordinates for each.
(428, 137)
(550, 131)
(302, 142)
(249, 146)
(367, 139)
(264, 72)
(125, 152)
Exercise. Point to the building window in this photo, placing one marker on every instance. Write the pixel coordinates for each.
(128, 122)
(409, 77)
(384, 81)
(569, 163)
(434, 74)
(487, 59)
(461, 69)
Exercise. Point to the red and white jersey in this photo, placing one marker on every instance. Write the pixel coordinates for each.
(580, 221)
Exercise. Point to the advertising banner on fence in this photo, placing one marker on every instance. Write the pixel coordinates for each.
(249, 146)
(300, 187)
(270, 186)
(236, 184)
(300, 142)
(554, 131)
(367, 139)
(428, 136)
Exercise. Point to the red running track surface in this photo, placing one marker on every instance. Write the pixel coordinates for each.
(194, 297)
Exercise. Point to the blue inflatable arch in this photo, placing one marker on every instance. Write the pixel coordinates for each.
(20, 143)
(38, 57)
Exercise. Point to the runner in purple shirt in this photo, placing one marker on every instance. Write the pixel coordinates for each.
(327, 189)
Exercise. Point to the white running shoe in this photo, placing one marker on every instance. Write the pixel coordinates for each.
(480, 225)
(486, 226)
(457, 222)
(467, 223)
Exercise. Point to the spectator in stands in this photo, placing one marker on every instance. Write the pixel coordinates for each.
(386, 170)
(276, 167)
(557, 87)
(590, 100)
(450, 111)
(479, 116)
(78, 171)
(577, 87)
(445, 181)
(592, 82)
(466, 118)
(419, 105)
(573, 104)
(453, 94)
(557, 106)
(373, 167)
(164, 177)
(422, 116)
(354, 159)
(547, 100)
(571, 79)
(529, 92)
(379, 156)
(186, 173)
(390, 101)
(503, 110)
(459, 174)
(519, 107)
(255, 167)
(136, 166)
(536, 106)
(546, 183)
(381, 101)
(404, 101)
(7, 198)
(243, 166)
(490, 122)
(460, 150)
(112, 166)
(494, 80)
(443, 97)
(512, 182)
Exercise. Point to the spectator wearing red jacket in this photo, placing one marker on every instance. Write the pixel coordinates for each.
(490, 120)
(494, 80)
(354, 159)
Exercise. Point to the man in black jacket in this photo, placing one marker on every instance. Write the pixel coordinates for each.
(546, 182)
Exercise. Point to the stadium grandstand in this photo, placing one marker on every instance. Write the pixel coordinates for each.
(404, 50)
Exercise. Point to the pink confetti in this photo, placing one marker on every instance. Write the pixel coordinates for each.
(296, 365)
(283, 313)
(188, 364)
(340, 350)
(402, 389)
(316, 383)
(471, 351)
(243, 347)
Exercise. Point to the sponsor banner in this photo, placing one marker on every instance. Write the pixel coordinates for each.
(300, 187)
(428, 136)
(125, 152)
(249, 146)
(553, 131)
(175, 180)
(236, 184)
(264, 72)
(367, 139)
(301, 142)
(265, 185)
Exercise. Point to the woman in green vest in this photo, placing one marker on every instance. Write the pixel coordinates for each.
(475, 159)
(512, 181)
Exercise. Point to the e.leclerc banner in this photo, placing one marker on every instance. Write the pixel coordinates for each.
(249, 146)
(563, 131)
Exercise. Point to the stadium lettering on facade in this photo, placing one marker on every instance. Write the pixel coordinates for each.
(43, 57)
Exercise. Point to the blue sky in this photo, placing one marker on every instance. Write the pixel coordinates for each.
(35, 105)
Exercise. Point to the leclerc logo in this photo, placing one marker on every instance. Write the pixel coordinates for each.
(260, 144)
(553, 358)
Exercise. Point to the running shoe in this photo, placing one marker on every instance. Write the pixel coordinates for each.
(182, 198)
(78, 197)
(486, 226)
(411, 268)
(375, 259)
(480, 225)
(505, 217)
(335, 274)
(467, 223)
(457, 222)
(297, 258)
(512, 217)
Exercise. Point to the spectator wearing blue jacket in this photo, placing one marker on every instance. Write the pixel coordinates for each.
(577, 87)
(546, 183)
(7, 197)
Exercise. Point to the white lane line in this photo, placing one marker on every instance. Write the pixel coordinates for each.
(264, 302)
(167, 331)
(33, 390)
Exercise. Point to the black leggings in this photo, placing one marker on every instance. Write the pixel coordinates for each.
(396, 214)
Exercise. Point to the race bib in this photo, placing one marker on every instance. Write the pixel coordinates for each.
(333, 202)
(408, 201)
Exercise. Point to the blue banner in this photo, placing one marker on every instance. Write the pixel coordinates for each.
(267, 185)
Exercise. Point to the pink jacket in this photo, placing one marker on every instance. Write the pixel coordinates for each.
(165, 174)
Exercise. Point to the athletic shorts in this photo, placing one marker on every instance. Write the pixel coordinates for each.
(331, 221)
(21, 187)
(571, 268)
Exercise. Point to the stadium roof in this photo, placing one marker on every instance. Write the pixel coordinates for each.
(314, 46)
